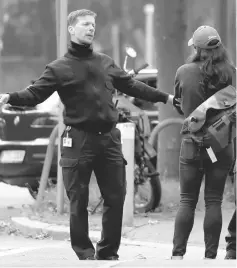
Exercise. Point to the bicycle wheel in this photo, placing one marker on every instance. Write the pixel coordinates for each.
(147, 191)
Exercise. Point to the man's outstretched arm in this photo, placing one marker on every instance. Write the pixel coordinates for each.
(132, 87)
(34, 94)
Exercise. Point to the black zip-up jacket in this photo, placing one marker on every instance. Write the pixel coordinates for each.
(85, 81)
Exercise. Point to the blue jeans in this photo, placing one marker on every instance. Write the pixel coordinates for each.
(194, 165)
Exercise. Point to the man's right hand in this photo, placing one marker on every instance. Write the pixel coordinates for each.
(177, 105)
(4, 98)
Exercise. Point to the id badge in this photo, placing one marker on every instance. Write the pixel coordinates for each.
(211, 154)
(67, 142)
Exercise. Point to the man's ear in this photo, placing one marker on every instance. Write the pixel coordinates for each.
(71, 29)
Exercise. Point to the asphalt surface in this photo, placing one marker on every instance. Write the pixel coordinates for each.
(20, 252)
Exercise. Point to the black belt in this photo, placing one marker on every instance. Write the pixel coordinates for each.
(94, 131)
(99, 132)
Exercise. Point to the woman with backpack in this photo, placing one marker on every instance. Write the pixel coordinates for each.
(208, 70)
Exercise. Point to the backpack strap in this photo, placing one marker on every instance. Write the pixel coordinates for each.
(230, 132)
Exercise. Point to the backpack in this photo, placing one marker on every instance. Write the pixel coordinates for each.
(213, 123)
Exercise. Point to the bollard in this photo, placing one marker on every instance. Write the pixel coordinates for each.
(128, 140)
(46, 167)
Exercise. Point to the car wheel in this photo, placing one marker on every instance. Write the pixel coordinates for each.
(33, 190)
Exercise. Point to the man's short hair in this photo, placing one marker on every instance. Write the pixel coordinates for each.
(72, 17)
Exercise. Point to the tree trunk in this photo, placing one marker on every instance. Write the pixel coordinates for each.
(170, 46)
(1, 44)
(47, 15)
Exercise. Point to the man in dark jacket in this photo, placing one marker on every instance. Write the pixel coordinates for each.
(85, 81)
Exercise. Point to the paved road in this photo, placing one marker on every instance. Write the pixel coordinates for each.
(17, 251)
(22, 252)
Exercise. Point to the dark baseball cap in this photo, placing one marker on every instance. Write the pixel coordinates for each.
(203, 36)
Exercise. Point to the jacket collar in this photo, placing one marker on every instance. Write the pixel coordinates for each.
(79, 51)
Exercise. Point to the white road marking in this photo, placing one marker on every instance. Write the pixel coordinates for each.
(26, 249)
(110, 264)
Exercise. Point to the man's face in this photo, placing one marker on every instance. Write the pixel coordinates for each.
(83, 31)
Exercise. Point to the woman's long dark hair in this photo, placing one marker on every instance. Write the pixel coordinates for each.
(216, 68)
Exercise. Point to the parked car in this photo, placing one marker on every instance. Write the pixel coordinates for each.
(25, 131)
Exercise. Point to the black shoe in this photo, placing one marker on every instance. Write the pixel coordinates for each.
(110, 258)
(176, 257)
(230, 258)
(230, 255)
(91, 258)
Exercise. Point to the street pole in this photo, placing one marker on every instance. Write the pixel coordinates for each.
(1, 46)
(115, 30)
(115, 42)
(61, 24)
(149, 10)
(170, 46)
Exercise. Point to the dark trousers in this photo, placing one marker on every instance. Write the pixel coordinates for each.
(231, 237)
(102, 154)
(194, 165)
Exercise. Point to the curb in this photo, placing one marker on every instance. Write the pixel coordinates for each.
(61, 232)
(34, 228)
